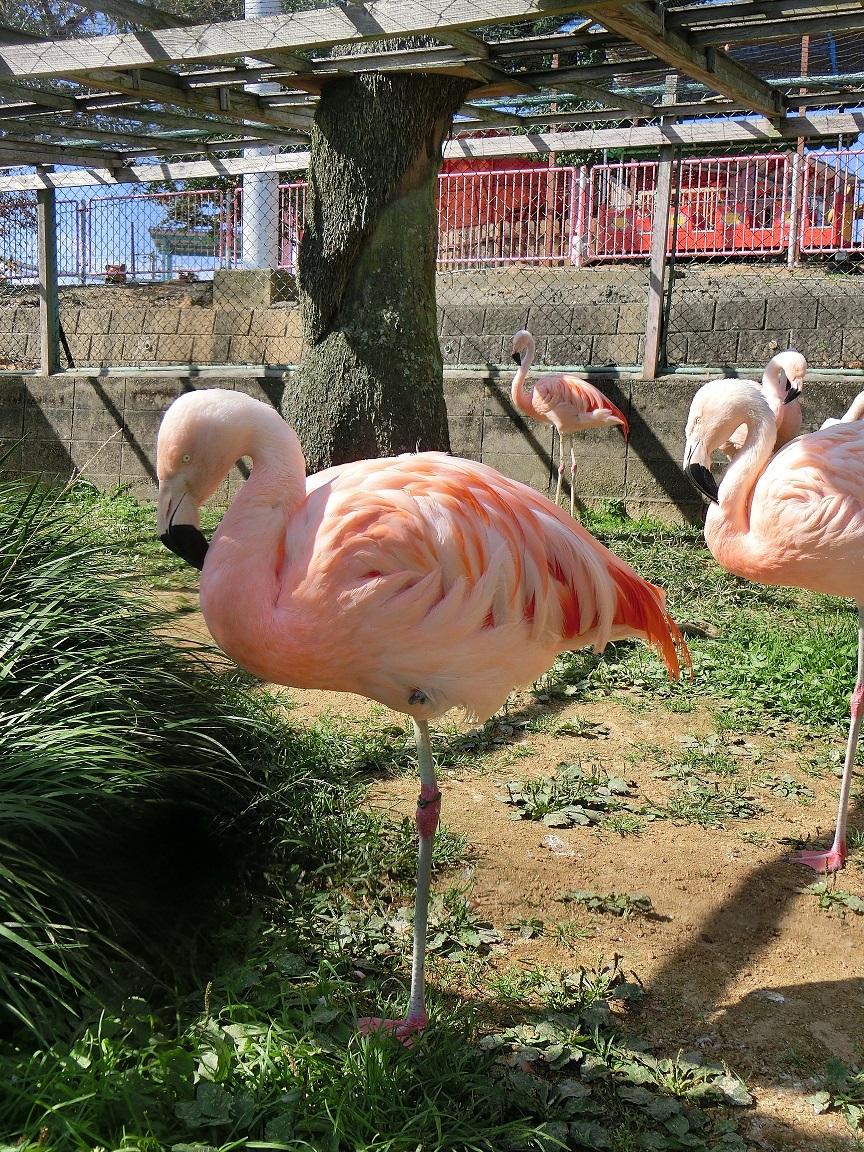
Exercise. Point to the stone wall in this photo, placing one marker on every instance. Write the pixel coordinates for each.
(720, 316)
(105, 426)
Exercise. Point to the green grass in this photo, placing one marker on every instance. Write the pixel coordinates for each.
(187, 1010)
(786, 654)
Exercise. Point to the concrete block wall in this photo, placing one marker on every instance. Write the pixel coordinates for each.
(724, 316)
(106, 425)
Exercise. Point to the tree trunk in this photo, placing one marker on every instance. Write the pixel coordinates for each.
(371, 383)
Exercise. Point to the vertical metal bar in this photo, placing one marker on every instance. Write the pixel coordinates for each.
(796, 215)
(657, 272)
(49, 300)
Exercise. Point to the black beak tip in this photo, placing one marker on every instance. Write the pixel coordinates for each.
(187, 542)
(703, 479)
(791, 394)
(517, 359)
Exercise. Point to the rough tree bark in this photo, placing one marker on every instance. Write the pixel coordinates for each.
(371, 383)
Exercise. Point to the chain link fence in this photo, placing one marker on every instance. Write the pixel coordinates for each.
(763, 251)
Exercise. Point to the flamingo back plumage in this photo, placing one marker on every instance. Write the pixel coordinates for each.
(471, 582)
(573, 404)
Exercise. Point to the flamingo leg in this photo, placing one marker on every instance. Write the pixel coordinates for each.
(560, 468)
(835, 857)
(572, 478)
(428, 811)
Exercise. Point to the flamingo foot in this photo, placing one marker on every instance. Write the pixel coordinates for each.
(829, 861)
(406, 1030)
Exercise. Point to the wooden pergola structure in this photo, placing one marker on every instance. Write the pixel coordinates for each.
(172, 99)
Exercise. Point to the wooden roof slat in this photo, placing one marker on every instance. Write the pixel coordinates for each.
(137, 12)
(695, 134)
(166, 88)
(710, 66)
(295, 31)
(728, 12)
(758, 30)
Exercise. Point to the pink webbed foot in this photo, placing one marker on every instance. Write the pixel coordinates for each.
(829, 861)
(406, 1030)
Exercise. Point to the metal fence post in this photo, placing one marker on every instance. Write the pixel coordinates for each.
(657, 272)
(49, 300)
(793, 250)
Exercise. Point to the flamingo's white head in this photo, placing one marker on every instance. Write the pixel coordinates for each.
(523, 342)
(784, 377)
(196, 449)
(717, 409)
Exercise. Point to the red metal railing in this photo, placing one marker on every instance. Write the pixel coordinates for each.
(532, 214)
(730, 206)
(832, 198)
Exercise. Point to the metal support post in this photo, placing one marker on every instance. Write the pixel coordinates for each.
(657, 272)
(261, 239)
(49, 300)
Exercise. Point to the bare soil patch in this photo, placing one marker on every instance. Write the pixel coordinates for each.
(737, 963)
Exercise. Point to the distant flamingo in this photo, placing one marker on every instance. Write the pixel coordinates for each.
(782, 382)
(569, 403)
(795, 520)
(422, 581)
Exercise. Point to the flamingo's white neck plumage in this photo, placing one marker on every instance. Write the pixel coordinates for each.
(523, 350)
(718, 408)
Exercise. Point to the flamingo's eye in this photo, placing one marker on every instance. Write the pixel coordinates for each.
(186, 458)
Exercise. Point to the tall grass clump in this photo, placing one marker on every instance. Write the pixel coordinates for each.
(123, 757)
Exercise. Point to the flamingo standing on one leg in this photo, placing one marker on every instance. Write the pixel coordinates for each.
(422, 581)
(794, 520)
(567, 402)
(782, 382)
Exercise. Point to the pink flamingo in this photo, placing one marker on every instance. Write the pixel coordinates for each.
(782, 382)
(567, 402)
(422, 581)
(795, 519)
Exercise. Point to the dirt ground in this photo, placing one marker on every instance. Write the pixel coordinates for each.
(737, 963)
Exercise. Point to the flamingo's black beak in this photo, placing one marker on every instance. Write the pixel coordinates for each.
(792, 394)
(703, 479)
(517, 359)
(187, 542)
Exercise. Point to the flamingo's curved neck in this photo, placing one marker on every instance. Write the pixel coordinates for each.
(248, 544)
(522, 399)
(728, 521)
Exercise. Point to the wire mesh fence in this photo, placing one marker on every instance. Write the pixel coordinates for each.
(763, 251)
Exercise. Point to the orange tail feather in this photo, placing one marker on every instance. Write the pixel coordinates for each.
(642, 607)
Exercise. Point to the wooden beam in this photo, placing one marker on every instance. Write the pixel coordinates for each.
(26, 152)
(166, 88)
(212, 168)
(137, 12)
(587, 72)
(609, 99)
(657, 269)
(755, 31)
(125, 108)
(710, 66)
(691, 16)
(465, 42)
(294, 31)
(45, 99)
(754, 131)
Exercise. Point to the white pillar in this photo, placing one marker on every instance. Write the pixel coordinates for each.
(261, 189)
